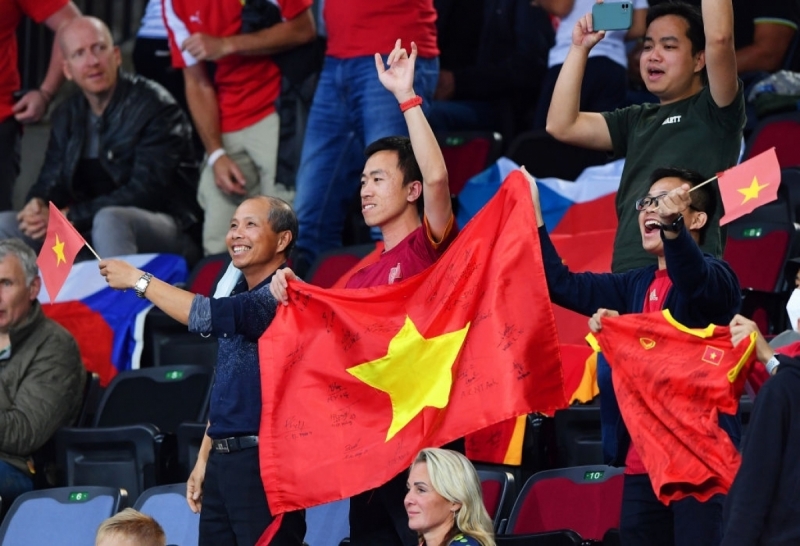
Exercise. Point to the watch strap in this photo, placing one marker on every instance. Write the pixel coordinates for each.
(141, 285)
(675, 226)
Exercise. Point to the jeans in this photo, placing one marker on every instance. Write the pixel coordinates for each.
(351, 109)
(13, 483)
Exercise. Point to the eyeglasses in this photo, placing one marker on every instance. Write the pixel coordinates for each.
(649, 201)
(652, 201)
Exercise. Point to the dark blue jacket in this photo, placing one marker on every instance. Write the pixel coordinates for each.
(704, 291)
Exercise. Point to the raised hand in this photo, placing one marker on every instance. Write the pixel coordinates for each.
(583, 34)
(398, 79)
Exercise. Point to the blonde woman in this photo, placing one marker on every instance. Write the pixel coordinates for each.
(444, 502)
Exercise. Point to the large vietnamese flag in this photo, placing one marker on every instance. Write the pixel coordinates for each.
(356, 382)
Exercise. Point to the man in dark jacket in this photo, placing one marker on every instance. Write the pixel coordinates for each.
(763, 506)
(119, 163)
(41, 373)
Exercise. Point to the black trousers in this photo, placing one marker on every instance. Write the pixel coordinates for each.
(235, 510)
(10, 136)
(646, 521)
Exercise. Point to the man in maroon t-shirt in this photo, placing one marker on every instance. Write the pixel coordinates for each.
(399, 172)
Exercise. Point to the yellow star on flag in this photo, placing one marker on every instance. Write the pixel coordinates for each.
(58, 248)
(415, 373)
(751, 192)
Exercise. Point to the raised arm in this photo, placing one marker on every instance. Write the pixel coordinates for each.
(285, 35)
(399, 80)
(565, 121)
(771, 41)
(720, 52)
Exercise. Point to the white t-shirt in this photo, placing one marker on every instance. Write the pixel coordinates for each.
(612, 46)
(152, 22)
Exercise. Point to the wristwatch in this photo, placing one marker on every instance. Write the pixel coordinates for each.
(772, 364)
(142, 284)
(675, 226)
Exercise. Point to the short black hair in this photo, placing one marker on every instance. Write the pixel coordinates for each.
(694, 21)
(406, 161)
(282, 218)
(704, 198)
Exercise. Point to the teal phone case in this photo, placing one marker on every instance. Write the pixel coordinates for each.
(612, 16)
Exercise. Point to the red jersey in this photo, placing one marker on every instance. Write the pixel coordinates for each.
(365, 27)
(671, 384)
(11, 12)
(247, 86)
(413, 254)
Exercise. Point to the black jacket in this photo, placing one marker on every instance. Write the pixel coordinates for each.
(145, 147)
(763, 505)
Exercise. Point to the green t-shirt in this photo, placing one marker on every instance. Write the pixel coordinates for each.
(693, 134)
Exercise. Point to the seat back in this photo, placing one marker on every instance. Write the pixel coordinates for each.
(578, 437)
(545, 156)
(206, 272)
(190, 437)
(126, 457)
(466, 153)
(585, 499)
(781, 131)
(167, 505)
(498, 491)
(563, 537)
(331, 265)
(165, 396)
(328, 524)
(65, 515)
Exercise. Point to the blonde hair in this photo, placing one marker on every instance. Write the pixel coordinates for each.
(134, 525)
(455, 479)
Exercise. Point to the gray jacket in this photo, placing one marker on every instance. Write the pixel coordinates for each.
(41, 386)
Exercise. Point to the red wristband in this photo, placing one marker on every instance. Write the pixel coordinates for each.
(411, 103)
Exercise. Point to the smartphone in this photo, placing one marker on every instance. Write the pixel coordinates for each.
(612, 16)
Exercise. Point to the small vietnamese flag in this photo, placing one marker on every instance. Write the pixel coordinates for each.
(749, 185)
(61, 244)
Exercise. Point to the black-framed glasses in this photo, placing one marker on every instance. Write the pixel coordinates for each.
(652, 201)
(649, 201)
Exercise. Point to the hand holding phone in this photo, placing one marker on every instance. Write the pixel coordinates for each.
(612, 16)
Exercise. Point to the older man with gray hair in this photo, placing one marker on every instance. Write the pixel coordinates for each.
(41, 373)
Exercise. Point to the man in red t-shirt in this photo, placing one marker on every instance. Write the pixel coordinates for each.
(33, 104)
(399, 172)
(235, 113)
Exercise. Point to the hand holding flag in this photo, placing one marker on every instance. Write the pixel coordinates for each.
(61, 244)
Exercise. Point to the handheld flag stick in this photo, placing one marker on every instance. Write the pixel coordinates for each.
(694, 187)
(96, 255)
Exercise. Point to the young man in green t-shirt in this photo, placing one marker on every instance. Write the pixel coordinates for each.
(689, 63)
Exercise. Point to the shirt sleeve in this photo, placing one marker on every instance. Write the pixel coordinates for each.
(247, 314)
(292, 8)
(177, 33)
(619, 124)
(41, 10)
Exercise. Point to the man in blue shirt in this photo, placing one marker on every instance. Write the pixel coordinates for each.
(226, 480)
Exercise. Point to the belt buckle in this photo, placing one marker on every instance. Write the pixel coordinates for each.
(221, 446)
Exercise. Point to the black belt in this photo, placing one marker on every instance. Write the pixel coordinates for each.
(236, 443)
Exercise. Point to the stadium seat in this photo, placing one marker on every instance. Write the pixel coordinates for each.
(467, 153)
(327, 524)
(545, 156)
(578, 441)
(331, 265)
(563, 537)
(190, 436)
(498, 494)
(67, 516)
(781, 131)
(132, 441)
(167, 505)
(584, 499)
